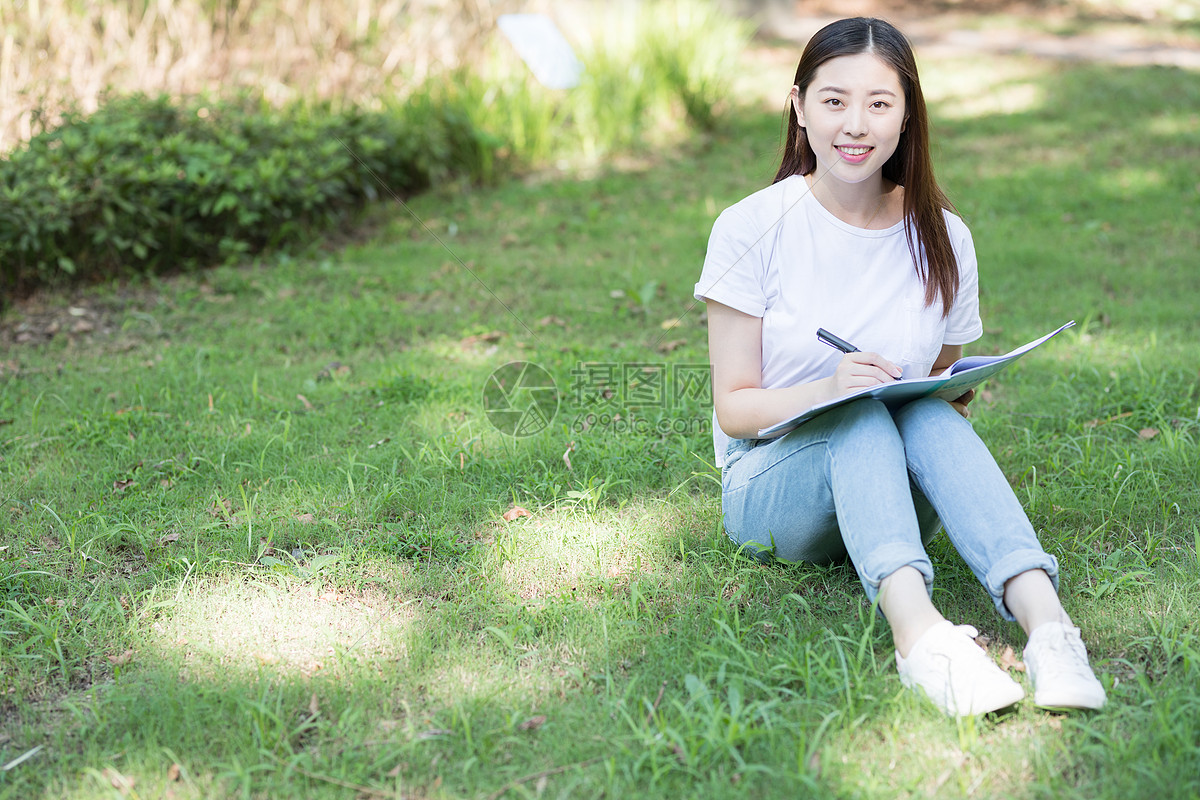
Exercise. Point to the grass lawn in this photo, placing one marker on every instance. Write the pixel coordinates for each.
(255, 534)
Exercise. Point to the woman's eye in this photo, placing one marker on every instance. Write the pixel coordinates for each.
(879, 104)
(833, 101)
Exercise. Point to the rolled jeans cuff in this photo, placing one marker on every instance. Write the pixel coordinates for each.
(1012, 565)
(886, 559)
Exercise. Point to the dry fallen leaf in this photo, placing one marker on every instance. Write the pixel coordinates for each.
(122, 485)
(314, 705)
(533, 723)
(170, 537)
(331, 369)
(1147, 433)
(174, 773)
(567, 455)
(515, 512)
(491, 337)
(122, 659)
(220, 509)
(307, 405)
(122, 783)
(306, 519)
(1009, 660)
(1096, 422)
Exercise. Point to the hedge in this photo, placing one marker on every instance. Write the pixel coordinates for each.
(147, 184)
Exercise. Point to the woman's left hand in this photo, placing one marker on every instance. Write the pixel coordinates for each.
(960, 403)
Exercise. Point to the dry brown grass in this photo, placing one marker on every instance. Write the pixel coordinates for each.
(62, 54)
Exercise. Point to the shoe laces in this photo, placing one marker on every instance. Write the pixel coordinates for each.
(1064, 653)
(959, 643)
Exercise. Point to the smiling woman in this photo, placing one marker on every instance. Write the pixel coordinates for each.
(856, 234)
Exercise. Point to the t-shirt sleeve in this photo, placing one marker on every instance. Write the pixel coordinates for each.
(964, 325)
(733, 266)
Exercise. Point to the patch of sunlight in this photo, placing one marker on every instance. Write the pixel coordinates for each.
(964, 759)
(1121, 182)
(1174, 125)
(571, 550)
(291, 630)
(1110, 349)
(523, 673)
(966, 89)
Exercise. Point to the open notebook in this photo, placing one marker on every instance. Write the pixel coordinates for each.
(964, 374)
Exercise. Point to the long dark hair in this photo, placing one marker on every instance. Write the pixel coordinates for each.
(911, 166)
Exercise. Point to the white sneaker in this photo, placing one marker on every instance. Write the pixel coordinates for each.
(1057, 663)
(955, 673)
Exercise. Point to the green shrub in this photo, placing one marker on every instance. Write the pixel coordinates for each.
(146, 184)
(653, 73)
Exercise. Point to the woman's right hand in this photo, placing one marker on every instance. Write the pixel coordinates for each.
(859, 370)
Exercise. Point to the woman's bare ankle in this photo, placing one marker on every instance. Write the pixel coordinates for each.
(905, 604)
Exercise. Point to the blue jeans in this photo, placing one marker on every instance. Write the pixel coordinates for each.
(863, 482)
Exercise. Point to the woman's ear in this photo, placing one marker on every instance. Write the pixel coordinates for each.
(794, 96)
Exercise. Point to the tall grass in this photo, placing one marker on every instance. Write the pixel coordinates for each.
(59, 55)
(652, 72)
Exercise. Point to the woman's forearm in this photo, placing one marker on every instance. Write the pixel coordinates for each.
(742, 413)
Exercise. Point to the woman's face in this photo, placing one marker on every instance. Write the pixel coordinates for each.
(854, 113)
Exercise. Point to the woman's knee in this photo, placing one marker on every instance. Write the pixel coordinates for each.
(866, 418)
(867, 409)
(929, 412)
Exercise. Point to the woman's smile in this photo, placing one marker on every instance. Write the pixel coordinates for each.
(854, 153)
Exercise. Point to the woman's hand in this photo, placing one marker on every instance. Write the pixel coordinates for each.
(858, 370)
(946, 358)
(960, 404)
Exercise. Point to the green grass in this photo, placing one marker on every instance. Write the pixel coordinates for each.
(252, 527)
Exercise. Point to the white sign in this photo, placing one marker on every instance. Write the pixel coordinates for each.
(543, 48)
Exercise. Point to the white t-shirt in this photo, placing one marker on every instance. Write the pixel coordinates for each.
(782, 256)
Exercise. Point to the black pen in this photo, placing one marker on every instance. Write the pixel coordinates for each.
(838, 342)
(835, 341)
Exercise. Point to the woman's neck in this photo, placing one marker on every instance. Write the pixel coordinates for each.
(870, 204)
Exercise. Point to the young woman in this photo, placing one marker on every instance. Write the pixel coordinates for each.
(855, 236)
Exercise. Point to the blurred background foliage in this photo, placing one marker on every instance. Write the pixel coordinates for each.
(160, 135)
(180, 133)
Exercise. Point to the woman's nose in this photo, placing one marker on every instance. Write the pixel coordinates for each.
(855, 123)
